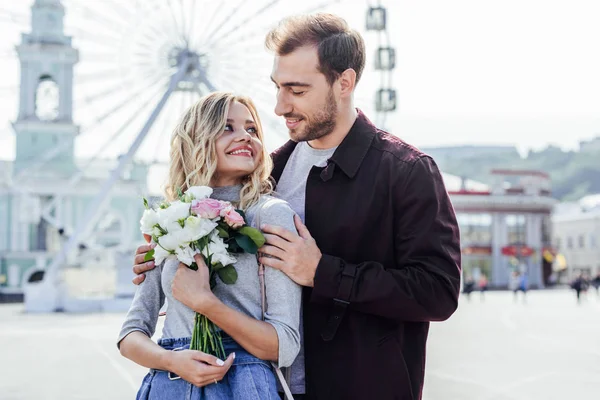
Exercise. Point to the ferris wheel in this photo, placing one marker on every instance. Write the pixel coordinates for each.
(141, 63)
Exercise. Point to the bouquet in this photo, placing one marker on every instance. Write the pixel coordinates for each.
(196, 224)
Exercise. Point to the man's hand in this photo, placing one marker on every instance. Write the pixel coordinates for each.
(192, 288)
(140, 266)
(199, 368)
(296, 256)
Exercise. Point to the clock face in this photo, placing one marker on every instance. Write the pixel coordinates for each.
(47, 100)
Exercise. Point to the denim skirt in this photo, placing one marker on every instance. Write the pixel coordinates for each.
(249, 378)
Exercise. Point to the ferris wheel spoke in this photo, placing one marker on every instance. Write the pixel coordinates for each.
(99, 75)
(138, 114)
(183, 23)
(107, 42)
(114, 90)
(37, 161)
(251, 61)
(95, 15)
(99, 201)
(261, 106)
(155, 35)
(133, 96)
(234, 10)
(258, 84)
(260, 11)
(236, 40)
(91, 34)
(122, 129)
(106, 144)
(123, 10)
(177, 30)
(190, 32)
(261, 31)
(159, 147)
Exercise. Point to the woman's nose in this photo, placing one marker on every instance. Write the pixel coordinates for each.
(243, 136)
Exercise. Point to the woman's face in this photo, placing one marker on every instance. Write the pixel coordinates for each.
(239, 150)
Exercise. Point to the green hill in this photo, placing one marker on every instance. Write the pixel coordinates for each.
(574, 173)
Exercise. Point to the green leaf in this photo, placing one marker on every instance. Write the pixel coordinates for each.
(232, 246)
(228, 275)
(149, 255)
(146, 203)
(254, 234)
(222, 232)
(179, 193)
(246, 243)
(217, 266)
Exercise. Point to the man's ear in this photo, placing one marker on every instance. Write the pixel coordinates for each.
(347, 82)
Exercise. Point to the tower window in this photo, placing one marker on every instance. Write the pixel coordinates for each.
(47, 99)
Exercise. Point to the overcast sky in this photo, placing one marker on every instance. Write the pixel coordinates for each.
(522, 72)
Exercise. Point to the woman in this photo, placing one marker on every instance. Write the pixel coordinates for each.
(217, 143)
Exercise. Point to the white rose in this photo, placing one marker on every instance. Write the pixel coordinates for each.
(149, 219)
(168, 217)
(223, 258)
(186, 255)
(217, 249)
(161, 255)
(199, 192)
(217, 244)
(173, 240)
(196, 228)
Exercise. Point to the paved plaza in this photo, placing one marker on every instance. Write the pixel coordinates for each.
(496, 349)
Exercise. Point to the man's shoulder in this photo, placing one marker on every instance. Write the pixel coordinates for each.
(284, 151)
(395, 149)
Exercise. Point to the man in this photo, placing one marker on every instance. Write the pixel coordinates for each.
(379, 255)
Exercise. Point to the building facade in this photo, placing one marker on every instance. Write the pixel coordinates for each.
(506, 227)
(576, 232)
(44, 192)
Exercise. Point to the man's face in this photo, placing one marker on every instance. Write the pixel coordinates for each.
(304, 98)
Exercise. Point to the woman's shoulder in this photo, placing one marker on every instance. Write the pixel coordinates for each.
(269, 202)
(274, 211)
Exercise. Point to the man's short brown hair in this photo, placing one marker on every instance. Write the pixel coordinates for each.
(338, 46)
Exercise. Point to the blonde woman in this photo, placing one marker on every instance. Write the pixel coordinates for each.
(217, 143)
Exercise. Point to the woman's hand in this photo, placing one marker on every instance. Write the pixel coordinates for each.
(198, 368)
(192, 288)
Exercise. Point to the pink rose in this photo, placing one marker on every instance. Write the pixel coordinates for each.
(232, 217)
(207, 208)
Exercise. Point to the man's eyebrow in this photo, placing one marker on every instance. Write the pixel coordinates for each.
(289, 84)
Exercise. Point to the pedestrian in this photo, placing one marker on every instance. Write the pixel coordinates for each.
(483, 285)
(469, 286)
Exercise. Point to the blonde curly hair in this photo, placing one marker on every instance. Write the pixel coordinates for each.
(193, 151)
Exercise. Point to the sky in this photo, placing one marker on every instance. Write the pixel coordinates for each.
(511, 72)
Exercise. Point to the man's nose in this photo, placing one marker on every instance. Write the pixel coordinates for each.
(282, 106)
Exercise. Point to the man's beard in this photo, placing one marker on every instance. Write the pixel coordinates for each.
(320, 125)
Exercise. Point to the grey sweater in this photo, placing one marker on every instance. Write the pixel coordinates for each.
(283, 295)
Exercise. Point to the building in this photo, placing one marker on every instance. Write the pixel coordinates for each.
(576, 232)
(44, 192)
(505, 226)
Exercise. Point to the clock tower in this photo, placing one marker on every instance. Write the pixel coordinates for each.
(44, 125)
